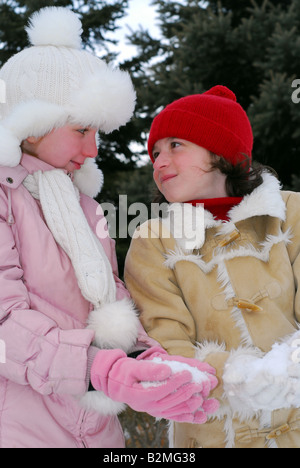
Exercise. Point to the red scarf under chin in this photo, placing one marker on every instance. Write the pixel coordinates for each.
(219, 207)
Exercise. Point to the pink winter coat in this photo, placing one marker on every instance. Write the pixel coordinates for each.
(42, 328)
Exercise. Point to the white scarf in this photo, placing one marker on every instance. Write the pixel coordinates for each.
(65, 218)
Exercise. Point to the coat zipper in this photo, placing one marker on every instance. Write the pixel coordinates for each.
(82, 441)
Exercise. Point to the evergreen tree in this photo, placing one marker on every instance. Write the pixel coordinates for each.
(240, 9)
(274, 115)
(253, 47)
(98, 17)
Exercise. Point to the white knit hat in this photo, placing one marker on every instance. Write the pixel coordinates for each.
(55, 82)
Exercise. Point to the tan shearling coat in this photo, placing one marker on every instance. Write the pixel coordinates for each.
(232, 290)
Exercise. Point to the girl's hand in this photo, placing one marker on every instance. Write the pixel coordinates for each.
(151, 387)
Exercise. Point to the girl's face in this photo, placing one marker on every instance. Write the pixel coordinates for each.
(182, 171)
(66, 147)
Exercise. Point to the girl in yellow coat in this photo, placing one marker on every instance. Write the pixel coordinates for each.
(216, 276)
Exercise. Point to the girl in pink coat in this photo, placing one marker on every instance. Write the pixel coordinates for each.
(72, 350)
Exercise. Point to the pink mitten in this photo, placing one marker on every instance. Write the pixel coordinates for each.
(148, 386)
(201, 371)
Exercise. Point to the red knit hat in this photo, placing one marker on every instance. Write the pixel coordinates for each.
(213, 120)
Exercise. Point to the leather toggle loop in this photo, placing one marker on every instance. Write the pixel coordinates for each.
(247, 305)
(278, 432)
(234, 235)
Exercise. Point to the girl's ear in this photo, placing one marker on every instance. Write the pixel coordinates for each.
(29, 145)
(33, 140)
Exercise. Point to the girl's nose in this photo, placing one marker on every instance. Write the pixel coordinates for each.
(90, 148)
(163, 160)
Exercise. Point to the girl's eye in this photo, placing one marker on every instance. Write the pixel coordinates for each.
(82, 130)
(175, 144)
(155, 155)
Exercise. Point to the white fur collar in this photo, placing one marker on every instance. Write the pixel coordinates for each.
(265, 200)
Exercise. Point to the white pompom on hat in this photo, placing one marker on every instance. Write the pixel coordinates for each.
(55, 82)
(55, 26)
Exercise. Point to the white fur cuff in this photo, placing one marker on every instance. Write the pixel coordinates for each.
(98, 401)
(115, 325)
